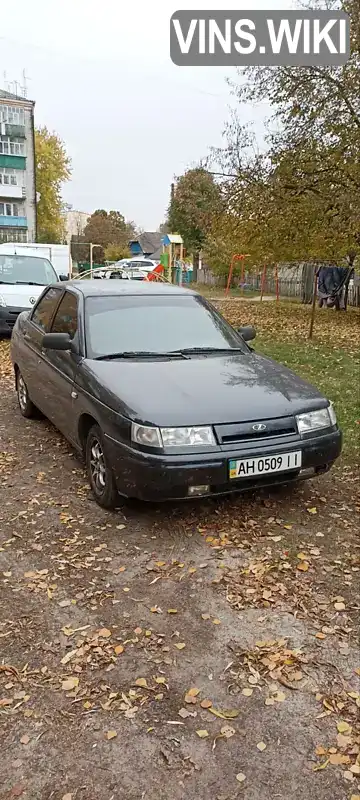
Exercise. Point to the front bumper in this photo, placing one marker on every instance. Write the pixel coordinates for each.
(8, 317)
(163, 477)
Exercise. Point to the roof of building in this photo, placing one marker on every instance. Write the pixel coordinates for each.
(172, 238)
(149, 241)
(95, 288)
(9, 96)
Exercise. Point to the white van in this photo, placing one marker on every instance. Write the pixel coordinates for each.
(23, 277)
(58, 254)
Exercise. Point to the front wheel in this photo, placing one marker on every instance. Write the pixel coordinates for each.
(100, 474)
(26, 406)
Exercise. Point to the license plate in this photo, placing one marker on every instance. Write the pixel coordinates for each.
(265, 465)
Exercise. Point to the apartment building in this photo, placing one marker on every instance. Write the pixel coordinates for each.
(17, 169)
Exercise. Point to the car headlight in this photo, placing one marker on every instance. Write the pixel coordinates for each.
(2, 301)
(315, 420)
(146, 435)
(193, 436)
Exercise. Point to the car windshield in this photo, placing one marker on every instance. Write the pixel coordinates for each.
(155, 324)
(26, 269)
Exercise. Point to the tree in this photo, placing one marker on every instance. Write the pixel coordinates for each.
(53, 168)
(114, 252)
(195, 200)
(109, 229)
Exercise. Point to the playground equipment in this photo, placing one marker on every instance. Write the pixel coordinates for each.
(173, 250)
(236, 257)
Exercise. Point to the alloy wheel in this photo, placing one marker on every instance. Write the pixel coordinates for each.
(22, 392)
(97, 466)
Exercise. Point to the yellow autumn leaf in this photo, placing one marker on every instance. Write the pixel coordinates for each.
(343, 727)
(111, 735)
(339, 606)
(180, 645)
(321, 766)
(312, 510)
(303, 566)
(230, 713)
(141, 682)
(104, 633)
(202, 734)
(261, 746)
(217, 621)
(279, 697)
(172, 611)
(160, 679)
(69, 684)
(119, 649)
(247, 692)
(241, 777)
(206, 703)
(193, 692)
(87, 705)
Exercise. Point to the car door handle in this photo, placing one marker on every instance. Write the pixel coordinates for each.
(27, 336)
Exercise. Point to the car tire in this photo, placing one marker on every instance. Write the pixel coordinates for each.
(100, 474)
(26, 406)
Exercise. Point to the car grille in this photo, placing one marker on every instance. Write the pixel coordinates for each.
(239, 432)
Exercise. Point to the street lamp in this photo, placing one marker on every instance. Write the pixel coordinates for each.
(91, 257)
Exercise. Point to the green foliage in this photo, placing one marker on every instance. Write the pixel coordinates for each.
(52, 170)
(196, 199)
(109, 229)
(114, 252)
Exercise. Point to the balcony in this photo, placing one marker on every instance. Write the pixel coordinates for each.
(13, 222)
(15, 192)
(14, 130)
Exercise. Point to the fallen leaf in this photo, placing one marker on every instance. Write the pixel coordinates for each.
(312, 510)
(184, 713)
(343, 727)
(339, 606)
(120, 527)
(217, 621)
(172, 611)
(138, 631)
(320, 635)
(104, 633)
(269, 701)
(202, 734)
(180, 645)
(279, 697)
(338, 758)
(321, 766)
(64, 603)
(241, 777)
(141, 682)
(231, 713)
(247, 692)
(190, 699)
(227, 731)
(69, 684)
(119, 649)
(320, 751)
(111, 735)
(261, 746)
(205, 616)
(303, 566)
(193, 692)
(67, 797)
(206, 703)
(160, 679)
(25, 739)
(355, 797)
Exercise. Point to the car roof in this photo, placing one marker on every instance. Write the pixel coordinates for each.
(93, 288)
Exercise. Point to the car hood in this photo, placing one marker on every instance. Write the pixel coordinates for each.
(20, 295)
(205, 390)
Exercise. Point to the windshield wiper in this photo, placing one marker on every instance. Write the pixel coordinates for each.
(143, 354)
(29, 283)
(196, 350)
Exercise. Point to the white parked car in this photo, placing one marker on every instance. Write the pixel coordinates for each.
(23, 278)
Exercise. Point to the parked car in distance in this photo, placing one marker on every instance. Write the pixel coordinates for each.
(115, 273)
(58, 254)
(136, 263)
(23, 277)
(164, 399)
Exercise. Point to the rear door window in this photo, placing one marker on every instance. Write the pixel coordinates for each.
(43, 312)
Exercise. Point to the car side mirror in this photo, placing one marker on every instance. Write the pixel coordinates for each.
(63, 277)
(57, 341)
(248, 333)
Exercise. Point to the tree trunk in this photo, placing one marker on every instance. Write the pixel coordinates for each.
(195, 266)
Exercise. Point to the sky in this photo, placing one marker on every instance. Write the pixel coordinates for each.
(102, 78)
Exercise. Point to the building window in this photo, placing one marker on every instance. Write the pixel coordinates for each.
(13, 235)
(14, 115)
(14, 147)
(11, 210)
(9, 177)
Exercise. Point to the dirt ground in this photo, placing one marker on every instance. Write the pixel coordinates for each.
(205, 651)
